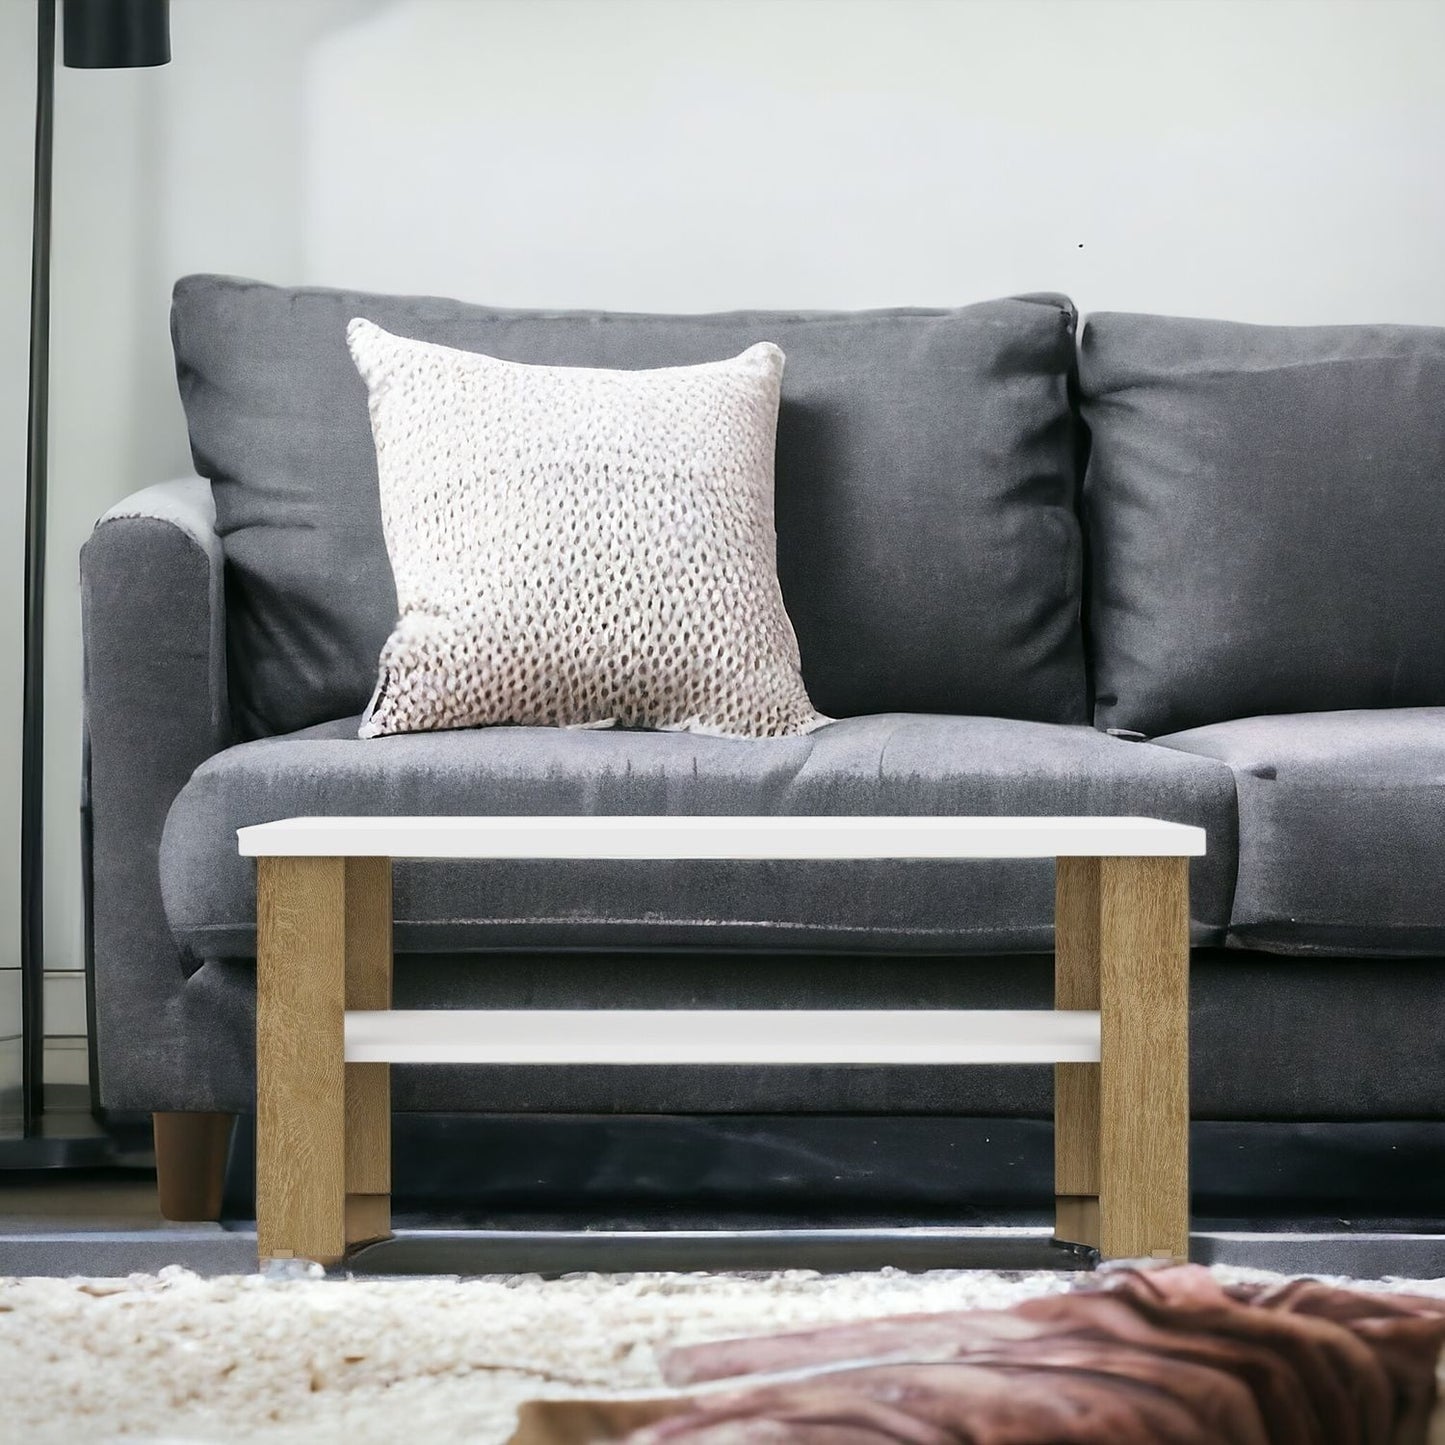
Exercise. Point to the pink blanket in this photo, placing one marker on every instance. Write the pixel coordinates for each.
(1155, 1357)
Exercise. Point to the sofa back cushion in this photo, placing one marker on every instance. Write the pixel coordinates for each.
(1265, 509)
(928, 546)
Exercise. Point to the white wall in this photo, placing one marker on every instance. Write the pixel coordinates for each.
(1269, 160)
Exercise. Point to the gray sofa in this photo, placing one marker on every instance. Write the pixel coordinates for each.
(1178, 568)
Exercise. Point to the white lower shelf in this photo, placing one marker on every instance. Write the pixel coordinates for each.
(722, 1036)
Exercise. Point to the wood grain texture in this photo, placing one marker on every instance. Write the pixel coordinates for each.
(368, 1086)
(1076, 1219)
(1144, 1060)
(191, 1153)
(300, 1074)
(368, 1218)
(1076, 1086)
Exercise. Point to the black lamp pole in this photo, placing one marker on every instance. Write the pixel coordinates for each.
(99, 35)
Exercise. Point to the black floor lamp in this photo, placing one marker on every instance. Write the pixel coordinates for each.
(98, 35)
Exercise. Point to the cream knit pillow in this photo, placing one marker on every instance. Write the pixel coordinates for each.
(576, 547)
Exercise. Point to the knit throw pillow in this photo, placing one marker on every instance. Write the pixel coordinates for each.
(579, 547)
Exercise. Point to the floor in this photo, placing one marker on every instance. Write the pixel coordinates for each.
(106, 1222)
(82, 1199)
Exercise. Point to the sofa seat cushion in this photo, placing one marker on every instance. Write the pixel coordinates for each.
(892, 763)
(1341, 829)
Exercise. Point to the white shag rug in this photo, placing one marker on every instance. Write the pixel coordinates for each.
(176, 1358)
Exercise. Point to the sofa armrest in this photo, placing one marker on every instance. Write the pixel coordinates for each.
(186, 516)
(153, 619)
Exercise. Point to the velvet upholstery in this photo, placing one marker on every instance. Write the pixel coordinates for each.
(1327, 1039)
(1274, 1038)
(155, 708)
(1265, 509)
(894, 763)
(911, 444)
(1341, 829)
(1248, 558)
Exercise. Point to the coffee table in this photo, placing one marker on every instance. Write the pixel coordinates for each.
(326, 1033)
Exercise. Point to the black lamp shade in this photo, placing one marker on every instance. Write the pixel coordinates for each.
(116, 34)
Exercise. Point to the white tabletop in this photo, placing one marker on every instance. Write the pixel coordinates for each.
(695, 837)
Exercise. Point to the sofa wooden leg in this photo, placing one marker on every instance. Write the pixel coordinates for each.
(191, 1152)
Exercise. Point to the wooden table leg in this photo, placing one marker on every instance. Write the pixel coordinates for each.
(1144, 1063)
(1076, 1086)
(368, 1086)
(300, 1089)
